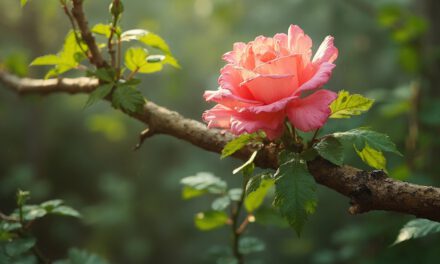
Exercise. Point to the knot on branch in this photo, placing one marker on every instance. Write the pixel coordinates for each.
(361, 200)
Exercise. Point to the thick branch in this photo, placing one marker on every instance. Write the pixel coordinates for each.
(367, 190)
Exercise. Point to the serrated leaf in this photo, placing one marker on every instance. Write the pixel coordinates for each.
(205, 181)
(221, 203)
(210, 220)
(330, 149)
(50, 59)
(128, 99)
(249, 245)
(295, 191)
(348, 105)
(248, 166)
(256, 190)
(17, 247)
(105, 74)
(236, 144)
(372, 157)
(99, 93)
(136, 60)
(362, 136)
(417, 228)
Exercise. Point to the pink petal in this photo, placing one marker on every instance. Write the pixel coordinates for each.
(234, 55)
(226, 98)
(299, 43)
(283, 65)
(327, 52)
(318, 79)
(271, 123)
(312, 112)
(271, 88)
(231, 77)
(273, 107)
(218, 116)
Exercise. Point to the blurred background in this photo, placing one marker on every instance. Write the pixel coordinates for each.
(131, 200)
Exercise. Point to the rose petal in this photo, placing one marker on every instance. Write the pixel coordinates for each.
(283, 66)
(231, 77)
(234, 55)
(327, 52)
(218, 116)
(226, 98)
(312, 112)
(299, 43)
(271, 123)
(273, 107)
(271, 88)
(318, 79)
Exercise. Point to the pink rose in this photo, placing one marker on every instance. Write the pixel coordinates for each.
(269, 79)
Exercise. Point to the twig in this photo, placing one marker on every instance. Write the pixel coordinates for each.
(143, 136)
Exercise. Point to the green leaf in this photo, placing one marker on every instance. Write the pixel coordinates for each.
(50, 59)
(128, 99)
(236, 144)
(248, 166)
(221, 203)
(270, 217)
(189, 193)
(102, 29)
(417, 228)
(32, 212)
(204, 182)
(295, 191)
(372, 157)
(362, 136)
(210, 220)
(256, 190)
(77, 256)
(235, 194)
(348, 105)
(136, 60)
(330, 149)
(147, 38)
(65, 211)
(250, 245)
(105, 74)
(18, 247)
(50, 205)
(99, 93)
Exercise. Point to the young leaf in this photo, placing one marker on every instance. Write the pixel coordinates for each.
(372, 157)
(361, 136)
(247, 165)
(102, 29)
(204, 181)
(189, 193)
(236, 144)
(136, 60)
(221, 203)
(128, 99)
(348, 105)
(210, 220)
(256, 191)
(235, 194)
(66, 211)
(99, 93)
(295, 191)
(330, 149)
(18, 247)
(23, 2)
(50, 59)
(147, 38)
(417, 228)
(250, 245)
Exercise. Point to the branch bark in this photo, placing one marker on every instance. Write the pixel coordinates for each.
(367, 190)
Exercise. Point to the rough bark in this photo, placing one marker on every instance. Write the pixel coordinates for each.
(366, 190)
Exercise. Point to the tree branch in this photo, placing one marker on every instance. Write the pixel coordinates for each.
(367, 190)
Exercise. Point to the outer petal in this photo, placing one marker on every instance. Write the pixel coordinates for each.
(218, 116)
(271, 123)
(271, 88)
(226, 98)
(327, 52)
(231, 77)
(311, 112)
(234, 55)
(282, 65)
(321, 77)
(299, 43)
(273, 107)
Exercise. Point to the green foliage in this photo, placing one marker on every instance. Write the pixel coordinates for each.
(237, 143)
(67, 59)
(99, 93)
(201, 183)
(55, 207)
(210, 220)
(23, 2)
(348, 105)
(295, 191)
(369, 145)
(221, 203)
(372, 157)
(256, 191)
(102, 29)
(128, 98)
(330, 149)
(249, 245)
(77, 256)
(417, 228)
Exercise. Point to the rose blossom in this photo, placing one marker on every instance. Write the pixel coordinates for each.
(269, 79)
